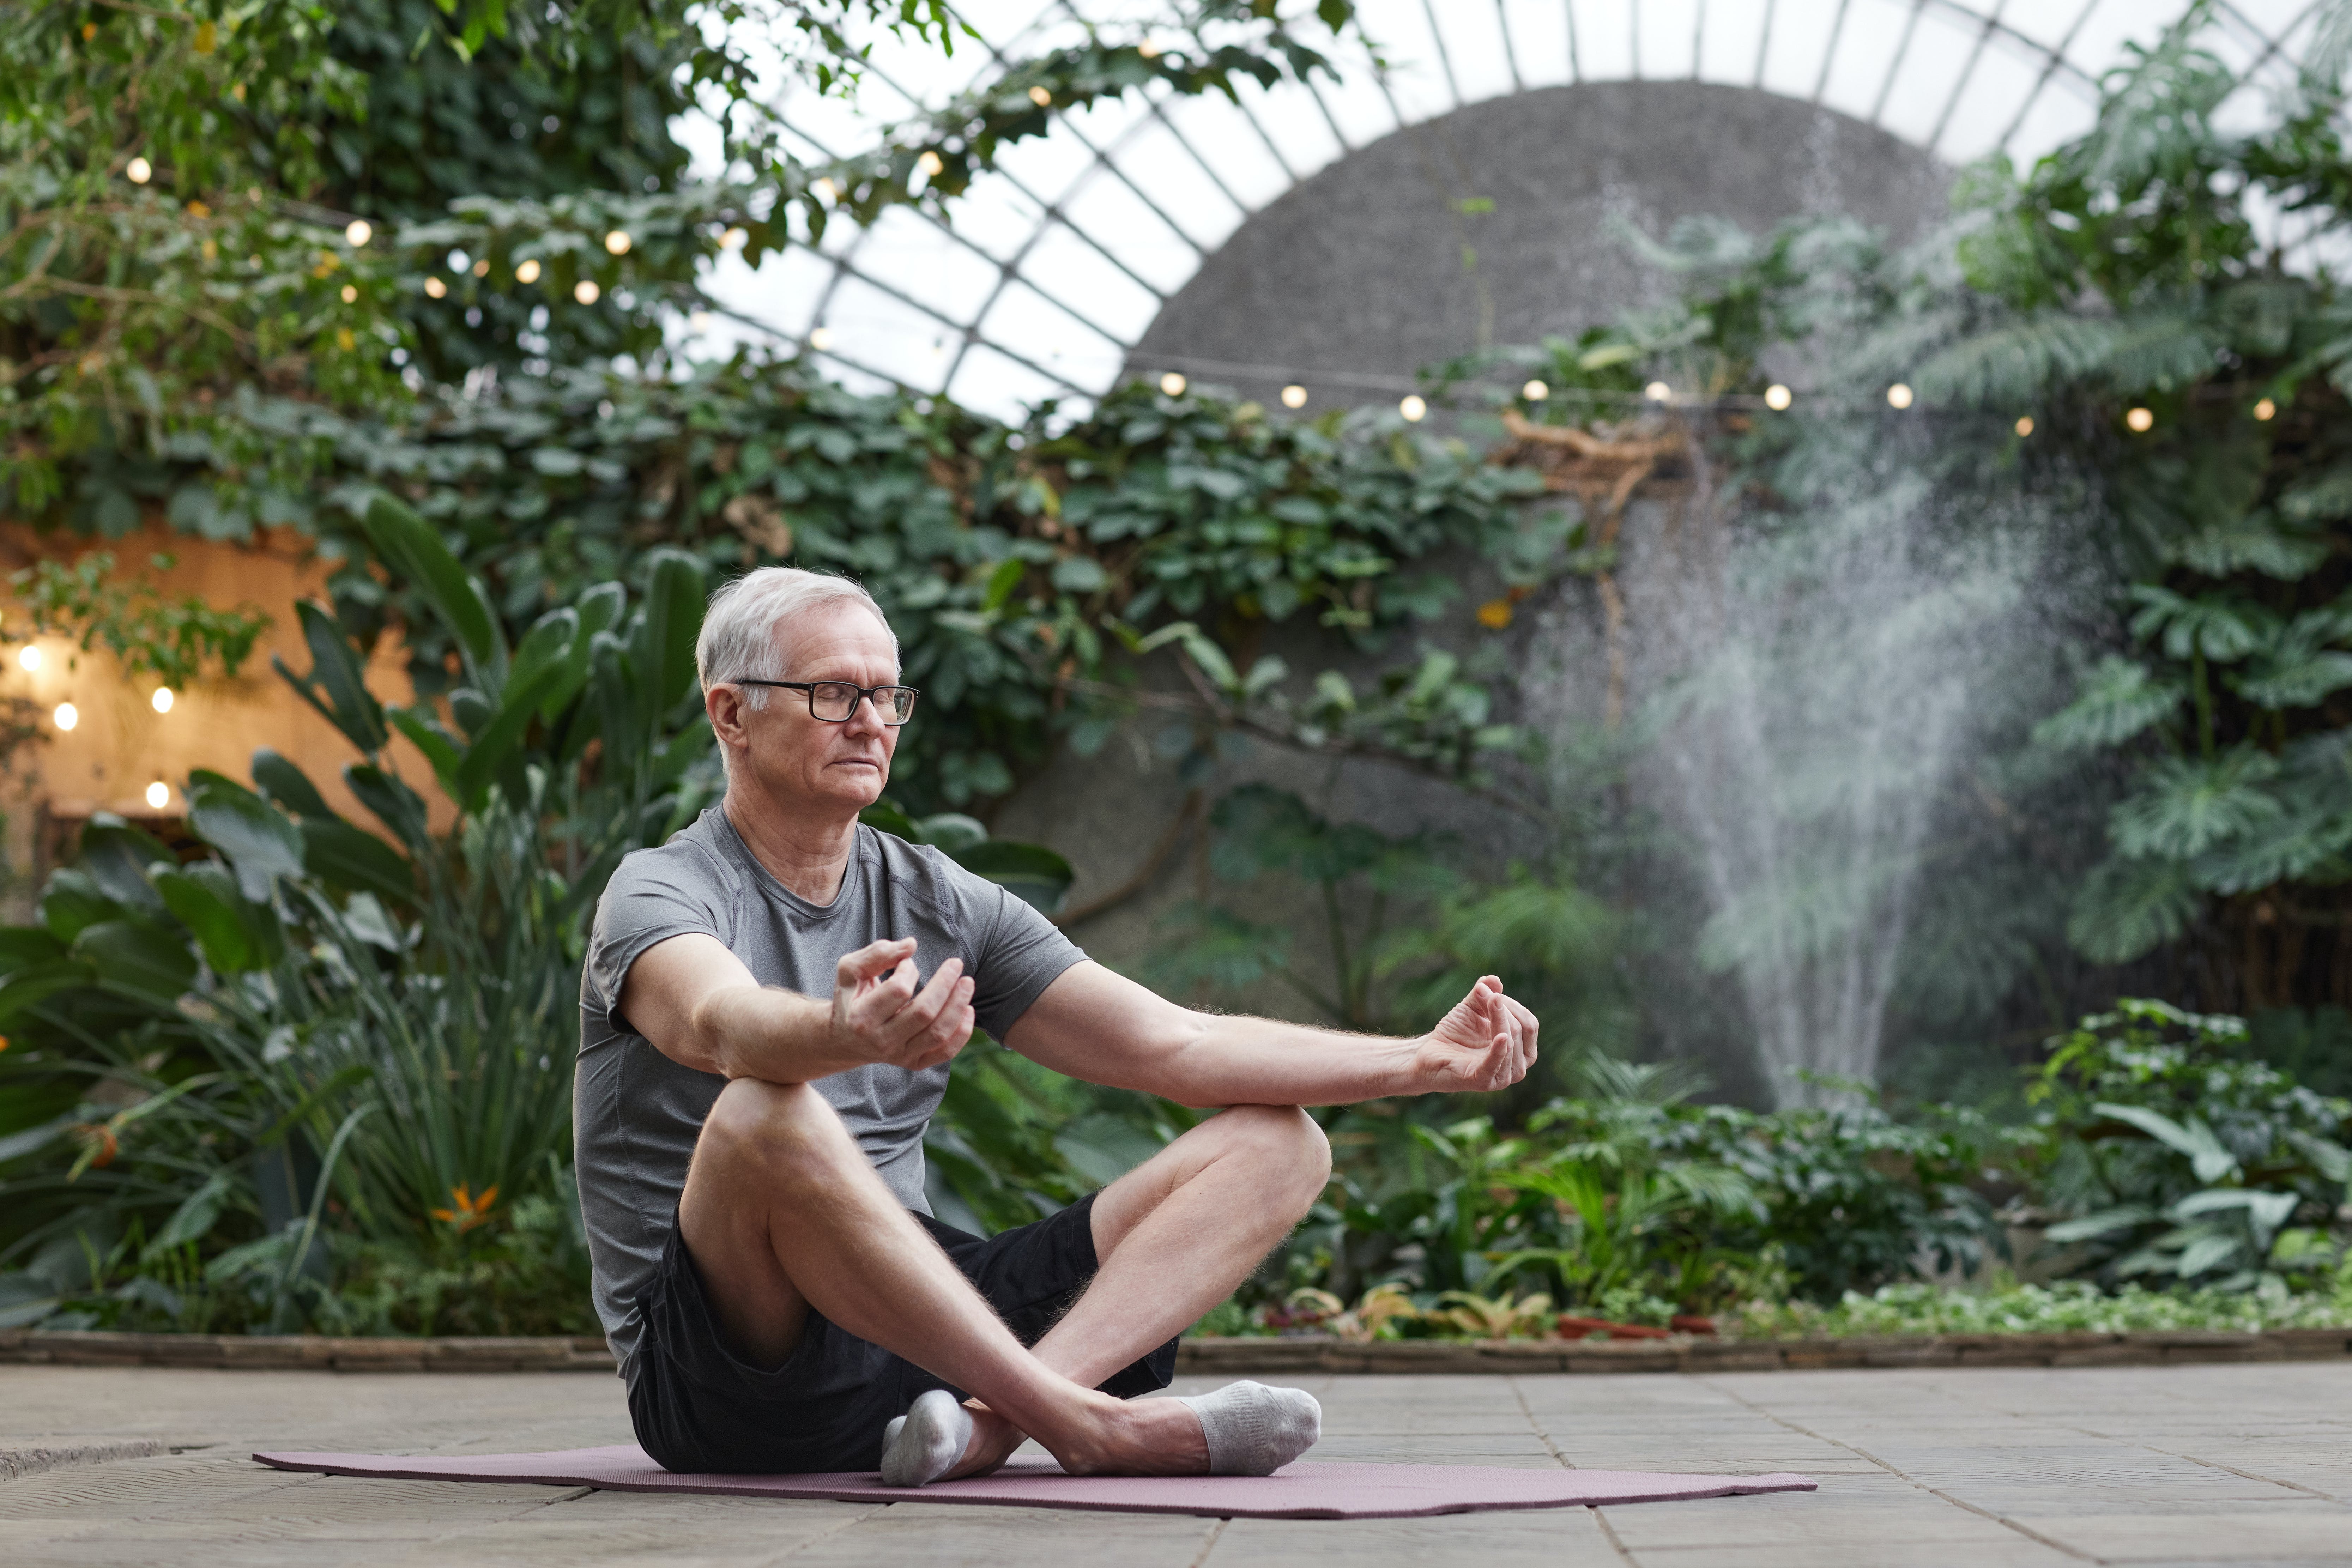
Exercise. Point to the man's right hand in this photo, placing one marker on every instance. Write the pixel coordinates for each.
(878, 1015)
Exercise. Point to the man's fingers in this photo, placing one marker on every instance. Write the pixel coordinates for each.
(921, 1010)
(874, 958)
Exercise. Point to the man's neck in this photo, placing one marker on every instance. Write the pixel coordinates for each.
(805, 852)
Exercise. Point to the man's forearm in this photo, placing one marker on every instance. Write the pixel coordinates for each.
(1259, 1061)
(770, 1034)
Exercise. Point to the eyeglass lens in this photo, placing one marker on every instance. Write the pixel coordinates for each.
(835, 700)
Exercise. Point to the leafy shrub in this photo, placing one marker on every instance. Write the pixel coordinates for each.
(2169, 1150)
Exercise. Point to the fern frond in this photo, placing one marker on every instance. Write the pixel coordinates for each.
(2120, 699)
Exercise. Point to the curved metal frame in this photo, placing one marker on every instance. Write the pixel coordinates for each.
(2059, 67)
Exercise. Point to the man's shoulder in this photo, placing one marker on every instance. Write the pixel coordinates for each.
(692, 857)
(927, 872)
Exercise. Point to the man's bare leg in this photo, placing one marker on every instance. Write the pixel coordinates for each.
(776, 1176)
(1174, 1236)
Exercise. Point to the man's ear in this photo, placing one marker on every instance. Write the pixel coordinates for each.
(724, 703)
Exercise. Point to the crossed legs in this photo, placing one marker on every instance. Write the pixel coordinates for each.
(782, 1212)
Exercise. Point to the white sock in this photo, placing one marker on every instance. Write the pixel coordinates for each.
(1253, 1430)
(926, 1443)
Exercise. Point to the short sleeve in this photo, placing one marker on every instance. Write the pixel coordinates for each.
(642, 905)
(1017, 952)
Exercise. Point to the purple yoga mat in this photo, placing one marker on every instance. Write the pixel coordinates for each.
(1303, 1490)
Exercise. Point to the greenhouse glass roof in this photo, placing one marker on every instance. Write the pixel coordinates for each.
(1043, 276)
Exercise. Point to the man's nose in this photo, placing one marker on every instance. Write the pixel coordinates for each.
(866, 715)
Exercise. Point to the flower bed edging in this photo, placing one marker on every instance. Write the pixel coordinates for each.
(1211, 1357)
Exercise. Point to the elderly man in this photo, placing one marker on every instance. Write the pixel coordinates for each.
(769, 1004)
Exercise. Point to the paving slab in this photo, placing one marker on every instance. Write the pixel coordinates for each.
(2166, 1466)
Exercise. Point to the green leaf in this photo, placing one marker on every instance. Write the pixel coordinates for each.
(227, 927)
(2182, 807)
(500, 742)
(2119, 700)
(951, 832)
(137, 958)
(428, 736)
(194, 1218)
(258, 838)
(288, 784)
(351, 857)
(1000, 584)
(673, 612)
(338, 672)
(1030, 872)
(72, 902)
(394, 804)
(413, 550)
(2127, 908)
(2208, 1157)
(26, 1299)
(116, 855)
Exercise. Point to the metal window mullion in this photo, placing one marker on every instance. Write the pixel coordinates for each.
(1575, 67)
(1894, 68)
(915, 304)
(1829, 55)
(2057, 61)
(1698, 37)
(1633, 33)
(1943, 121)
(1510, 49)
(1445, 58)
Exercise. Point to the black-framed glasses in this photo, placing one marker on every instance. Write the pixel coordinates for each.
(833, 701)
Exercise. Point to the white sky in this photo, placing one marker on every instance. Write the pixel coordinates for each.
(1047, 271)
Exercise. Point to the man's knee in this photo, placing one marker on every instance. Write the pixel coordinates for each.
(1294, 1145)
(779, 1131)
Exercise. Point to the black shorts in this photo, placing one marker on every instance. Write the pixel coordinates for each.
(699, 1407)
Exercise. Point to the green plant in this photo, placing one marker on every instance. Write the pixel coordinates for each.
(2173, 1153)
(170, 640)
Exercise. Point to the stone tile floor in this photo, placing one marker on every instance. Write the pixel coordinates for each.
(2177, 1466)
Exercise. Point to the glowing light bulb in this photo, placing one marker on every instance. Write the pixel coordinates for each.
(140, 170)
(2140, 420)
(700, 322)
(1898, 395)
(736, 239)
(618, 242)
(29, 659)
(1412, 408)
(586, 292)
(932, 164)
(358, 231)
(1658, 392)
(482, 269)
(526, 272)
(158, 795)
(827, 190)
(820, 339)
(66, 716)
(160, 701)
(1040, 96)
(1172, 383)
(1293, 397)
(351, 294)
(2265, 409)
(2025, 425)
(1535, 392)
(434, 288)
(1777, 397)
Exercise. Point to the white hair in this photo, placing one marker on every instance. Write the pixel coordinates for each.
(741, 631)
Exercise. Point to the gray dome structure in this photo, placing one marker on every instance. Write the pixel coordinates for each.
(1459, 190)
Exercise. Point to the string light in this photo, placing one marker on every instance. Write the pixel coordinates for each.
(1412, 408)
(932, 164)
(736, 239)
(586, 292)
(2025, 425)
(2140, 420)
(140, 170)
(526, 272)
(66, 716)
(700, 322)
(618, 242)
(482, 268)
(1041, 98)
(820, 339)
(1777, 397)
(161, 699)
(351, 294)
(1293, 397)
(158, 795)
(358, 231)
(2265, 409)
(1658, 392)
(1535, 392)
(827, 190)
(1898, 395)
(1172, 383)
(29, 659)
(434, 288)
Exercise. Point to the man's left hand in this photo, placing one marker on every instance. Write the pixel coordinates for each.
(1487, 1042)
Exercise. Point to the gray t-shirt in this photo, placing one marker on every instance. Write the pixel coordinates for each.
(635, 1112)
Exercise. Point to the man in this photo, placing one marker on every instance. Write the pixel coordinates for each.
(769, 1004)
